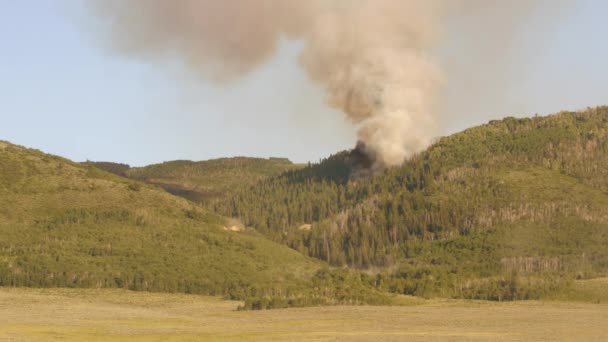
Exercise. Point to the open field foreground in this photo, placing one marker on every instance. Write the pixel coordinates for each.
(116, 315)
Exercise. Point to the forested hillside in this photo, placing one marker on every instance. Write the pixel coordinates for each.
(505, 210)
(68, 225)
(204, 181)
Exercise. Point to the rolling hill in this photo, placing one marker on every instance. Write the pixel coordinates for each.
(204, 181)
(64, 224)
(511, 209)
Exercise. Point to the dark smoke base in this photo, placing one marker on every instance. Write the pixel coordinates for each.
(363, 162)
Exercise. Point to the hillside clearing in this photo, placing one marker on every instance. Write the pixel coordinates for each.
(118, 315)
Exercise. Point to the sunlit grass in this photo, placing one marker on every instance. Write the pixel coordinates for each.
(118, 315)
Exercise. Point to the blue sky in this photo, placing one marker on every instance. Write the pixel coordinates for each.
(61, 93)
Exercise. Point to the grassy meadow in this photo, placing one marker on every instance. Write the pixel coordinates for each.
(120, 315)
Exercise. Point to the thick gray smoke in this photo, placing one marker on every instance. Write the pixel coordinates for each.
(376, 59)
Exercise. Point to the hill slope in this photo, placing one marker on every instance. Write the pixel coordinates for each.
(497, 211)
(70, 225)
(203, 181)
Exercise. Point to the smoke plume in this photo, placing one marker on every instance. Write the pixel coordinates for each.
(375, 59)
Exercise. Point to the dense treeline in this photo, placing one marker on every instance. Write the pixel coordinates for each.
(537, 186)
(327, 287)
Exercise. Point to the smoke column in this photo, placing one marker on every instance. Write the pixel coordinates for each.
(375, 59)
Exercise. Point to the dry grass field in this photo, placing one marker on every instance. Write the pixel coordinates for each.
(116, 315)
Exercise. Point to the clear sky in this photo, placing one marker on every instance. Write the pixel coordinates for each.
(61, 93)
